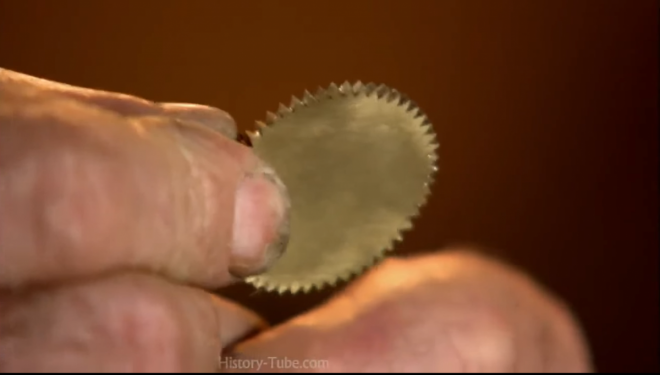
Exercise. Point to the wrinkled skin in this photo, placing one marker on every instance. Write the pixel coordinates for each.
(117, 214)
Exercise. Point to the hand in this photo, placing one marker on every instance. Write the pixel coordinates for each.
(450, 312)
(115, 213)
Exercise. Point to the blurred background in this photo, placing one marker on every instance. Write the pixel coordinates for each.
(547, 113)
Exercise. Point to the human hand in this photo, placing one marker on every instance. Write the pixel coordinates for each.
(455, 311)
(115, 214)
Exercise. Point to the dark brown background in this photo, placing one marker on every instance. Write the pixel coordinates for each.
(546, 111)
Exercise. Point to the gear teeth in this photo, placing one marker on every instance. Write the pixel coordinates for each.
(252, 136)
(415, 112)
(427, 191)
(392, 96)
(407, 225)
(428, 137)
(333, 91)
(283, 110)
(295, 103)
(369, 89)
(381, 91)
(270, 287)
(298, 288)
(308, 288)
(346, 88)
(357, 87)
(412, 108)
(320, 94)
(433, 147)
(283, 289)
(345, 277)
(271, 118)
(308, 98)
(427, 122)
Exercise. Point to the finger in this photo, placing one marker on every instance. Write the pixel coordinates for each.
(237, 322)
(83, 191)
(447, 313)
(122, 104)
(124, 323)
(203, 115)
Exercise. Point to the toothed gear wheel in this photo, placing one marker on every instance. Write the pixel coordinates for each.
(357, 161)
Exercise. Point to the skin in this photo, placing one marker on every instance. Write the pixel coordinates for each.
(118, 214)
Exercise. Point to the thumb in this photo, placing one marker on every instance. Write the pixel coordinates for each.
(85, 190)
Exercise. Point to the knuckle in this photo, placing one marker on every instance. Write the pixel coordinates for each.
(148, 323)
(479, 334)
(134, 320)
(63, 185)
(122, 323)
(484, 341)
(82, 194)
(75, 201)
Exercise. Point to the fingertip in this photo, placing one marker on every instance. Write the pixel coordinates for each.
(247, 205)
(261, 223)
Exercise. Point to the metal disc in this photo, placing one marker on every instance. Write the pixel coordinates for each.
(357, 161)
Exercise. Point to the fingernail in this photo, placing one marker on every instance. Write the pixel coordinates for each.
(261, 223)
(204, 115)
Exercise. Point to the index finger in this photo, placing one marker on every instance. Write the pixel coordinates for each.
(85, 190)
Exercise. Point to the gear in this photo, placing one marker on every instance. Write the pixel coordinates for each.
(357, 161)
